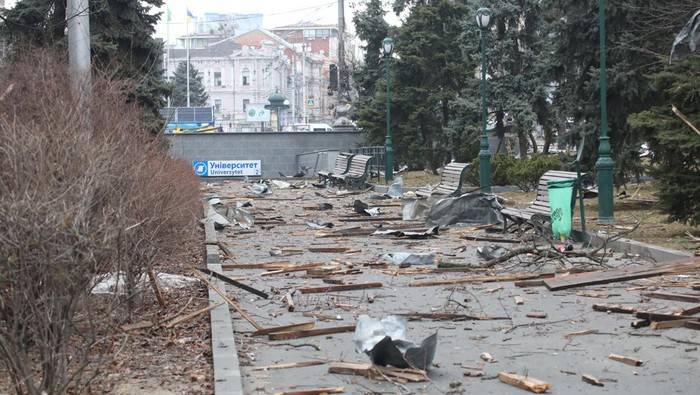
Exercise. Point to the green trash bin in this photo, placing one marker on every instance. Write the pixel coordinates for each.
(560, 199)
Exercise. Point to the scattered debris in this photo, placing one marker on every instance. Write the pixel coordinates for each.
(318, 223)
(406, 259)
(591, 380)
(536, 314)
(377, 372)
(526, 383)
(487, 357)
(385, 343)
(491, 252)
(625, 360)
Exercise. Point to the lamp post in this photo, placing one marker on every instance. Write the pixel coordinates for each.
(387, 49)
(604, 165)
(483, 19)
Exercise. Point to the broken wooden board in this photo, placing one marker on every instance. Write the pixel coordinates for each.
(479, 279)
(626, 360)
(378, 372)
(370, 219)
(289, 365)
(587, 378)
(668, 324)
(492, 239)
(614, 308)
(285, 328)
(672, 296)
(526, 383)
(337, 288)
(310, 332)
(618, 275)
(449, 317)
(330, 249)
(315, 391)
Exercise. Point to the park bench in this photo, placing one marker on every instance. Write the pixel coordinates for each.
(342, 163)
(450, 181)
(357, 172)
(540, 207)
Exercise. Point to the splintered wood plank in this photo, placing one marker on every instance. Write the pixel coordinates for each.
(285, 328)
(672, 296)
(296, 334)
(315, 391)
(614, 308)
(526, 383)
(626, 360)
(289, 365)
(329, 249)
(478, 279)
(618, 275)
(378, 372)
(336, 288)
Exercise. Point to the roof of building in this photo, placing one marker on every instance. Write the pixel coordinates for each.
(305, 25)
(219, 49)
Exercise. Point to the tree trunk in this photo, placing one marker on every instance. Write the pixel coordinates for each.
(548, 134)
(533, 141)
(522, 144)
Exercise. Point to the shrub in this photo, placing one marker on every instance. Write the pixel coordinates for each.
(82, 194)
(526, 173)
(501, 167)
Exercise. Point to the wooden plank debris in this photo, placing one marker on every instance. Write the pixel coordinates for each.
(492, 239)
(378, 372)
(329, 249)
(620, 274)
(569, 336)
(587, 378)
(290, 365)
(672, 296)
(536, 314)
(228, 300)
(289, 301)
(479, 279)
(337, 288)
(285, 328)
(656, 325)
(626, 360)
(645, 315)
(310, 332)
(315, 391)
(614, 308)
(526, 383)
(450, 317)
(370, 219)
(529, 283)
(233, 282)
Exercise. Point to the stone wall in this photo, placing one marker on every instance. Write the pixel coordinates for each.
(279, 152)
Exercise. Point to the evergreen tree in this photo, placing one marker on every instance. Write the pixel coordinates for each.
(198, 96)
(639, 34)
(121, 34)
(368, 79)
(519, 69)
(675, 146)
(430, 73)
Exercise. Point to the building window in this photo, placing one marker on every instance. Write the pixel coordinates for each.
(217, 78)
(246, 102)
(217, 106)
(309, 33)
(246, 77)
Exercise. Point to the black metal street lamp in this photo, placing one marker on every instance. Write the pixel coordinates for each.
(483, 20)
(387, 50)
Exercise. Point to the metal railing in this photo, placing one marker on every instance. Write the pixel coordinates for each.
(377, 163)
